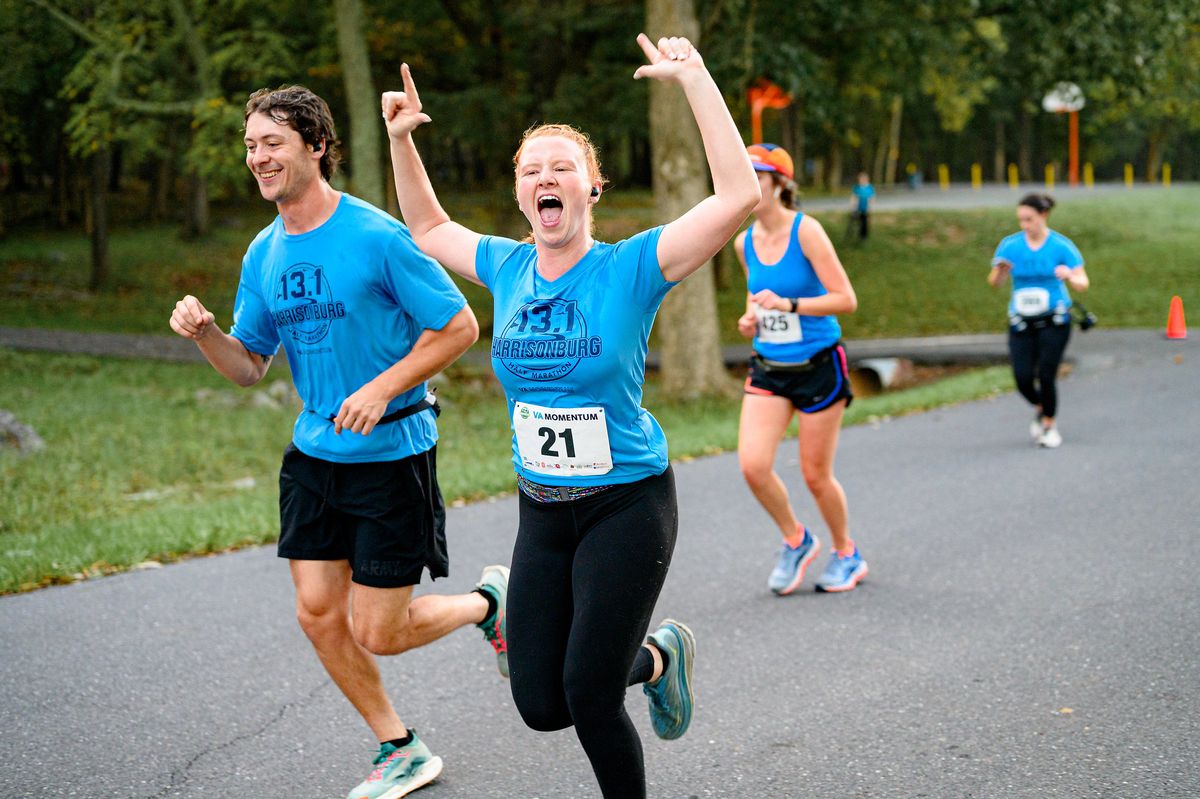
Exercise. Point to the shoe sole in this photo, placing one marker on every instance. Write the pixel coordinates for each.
(427, 773)
(856, 577)
(807, 559)
(687, 641)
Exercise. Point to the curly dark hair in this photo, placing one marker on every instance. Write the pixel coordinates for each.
(304, 112)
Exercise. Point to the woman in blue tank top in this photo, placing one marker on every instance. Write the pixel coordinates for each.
(795, 286)
(598, 514)
(1042, 263)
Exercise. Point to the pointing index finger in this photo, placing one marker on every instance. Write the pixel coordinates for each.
(410, 88)
(648, 48)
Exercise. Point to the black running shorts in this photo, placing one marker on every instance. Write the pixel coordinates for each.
(812, 386)
(386, 517)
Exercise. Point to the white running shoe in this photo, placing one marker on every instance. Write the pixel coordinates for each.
(1050, 438)
(1035, 429)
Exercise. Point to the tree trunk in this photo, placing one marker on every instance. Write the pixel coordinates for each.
(691, 353)
(366, 169)
(196, 222)
(98, 216)
(893, 155)
(1154, 152)
(999, 162)
(794, 136)
(1024, 146)
(834, 179)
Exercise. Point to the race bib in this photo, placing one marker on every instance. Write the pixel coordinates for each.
(562, 441)
(1031, 301)
(778, 327)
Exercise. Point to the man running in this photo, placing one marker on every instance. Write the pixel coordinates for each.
(365, 319)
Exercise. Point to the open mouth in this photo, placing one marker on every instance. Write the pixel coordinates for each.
(269, 174)
(550, 209)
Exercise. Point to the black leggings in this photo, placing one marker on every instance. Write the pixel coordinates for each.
(1036, 353)
(585, 577)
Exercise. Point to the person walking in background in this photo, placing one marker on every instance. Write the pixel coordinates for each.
(598, 512)
(365, 319)
(860, 203)
(795, 286)
(1042, 263)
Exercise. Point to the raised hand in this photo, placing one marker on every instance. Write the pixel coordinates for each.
(191, 319)
(673, 57)
(402, 110)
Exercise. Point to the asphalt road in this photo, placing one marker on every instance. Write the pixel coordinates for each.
(1030, 628)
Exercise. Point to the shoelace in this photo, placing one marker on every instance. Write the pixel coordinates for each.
(383, 761)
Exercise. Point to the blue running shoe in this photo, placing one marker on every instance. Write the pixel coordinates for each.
(670, 696)
(399, 771)
(843, 572)
(789, 571)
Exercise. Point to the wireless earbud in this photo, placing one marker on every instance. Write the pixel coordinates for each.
(595, 191)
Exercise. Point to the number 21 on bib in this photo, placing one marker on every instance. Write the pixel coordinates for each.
(562, 441)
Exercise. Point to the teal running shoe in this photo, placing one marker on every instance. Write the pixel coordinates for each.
(789, 570)
(399, 771)
(494, 580)
(843, 573)
(670, 696)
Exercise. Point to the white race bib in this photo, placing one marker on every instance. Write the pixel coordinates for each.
(1031, 301)
(562, 441)
(778, 327)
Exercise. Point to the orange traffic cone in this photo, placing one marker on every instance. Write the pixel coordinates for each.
(1176, 326)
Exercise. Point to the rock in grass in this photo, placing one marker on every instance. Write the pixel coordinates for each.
(19, 436)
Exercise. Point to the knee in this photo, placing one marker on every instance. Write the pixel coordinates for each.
(755, 471)
(589, 702)
(818, 478)
(322, 623)
(380, 637)
(540, 710)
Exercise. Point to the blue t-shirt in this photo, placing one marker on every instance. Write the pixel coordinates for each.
(347, 300)
(783, 336)
(864, 195)
(571, 355)
(1035, 289)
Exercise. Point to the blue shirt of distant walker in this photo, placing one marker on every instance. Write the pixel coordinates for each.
(1035, 289)
(571, 356)
(864, 195)
(783, 336)
(347, 301)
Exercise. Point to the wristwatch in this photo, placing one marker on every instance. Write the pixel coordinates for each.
(795, 304)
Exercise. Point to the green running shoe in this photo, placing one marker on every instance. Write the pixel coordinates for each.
(494, 580)
(399, 771)
(670, 696)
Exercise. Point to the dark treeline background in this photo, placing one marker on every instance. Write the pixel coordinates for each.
(142, 99)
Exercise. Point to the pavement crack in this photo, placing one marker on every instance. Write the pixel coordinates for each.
(179, 776)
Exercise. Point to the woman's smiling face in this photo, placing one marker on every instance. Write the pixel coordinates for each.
(554, 189)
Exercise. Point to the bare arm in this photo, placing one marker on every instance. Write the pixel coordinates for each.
(1000, 270)
(434, 232)
(433, 351)
(1076, 278)
(689, 241)
(227, 354)
(748, 322)
(839, 297)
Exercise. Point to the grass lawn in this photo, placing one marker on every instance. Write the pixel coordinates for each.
(150, 460)
(921, 273)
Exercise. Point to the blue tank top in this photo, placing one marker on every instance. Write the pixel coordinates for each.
(782, 336)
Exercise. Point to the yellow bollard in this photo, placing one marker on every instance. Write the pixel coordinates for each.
(943, 176)
(1049, 177)
(1089, 175)
(976, 177)
(1166, 176)
(1129, 176)
(1014, 177)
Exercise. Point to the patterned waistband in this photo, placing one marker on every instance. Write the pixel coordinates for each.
(543, 493)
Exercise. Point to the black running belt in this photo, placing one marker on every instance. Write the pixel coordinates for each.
(430, 402)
